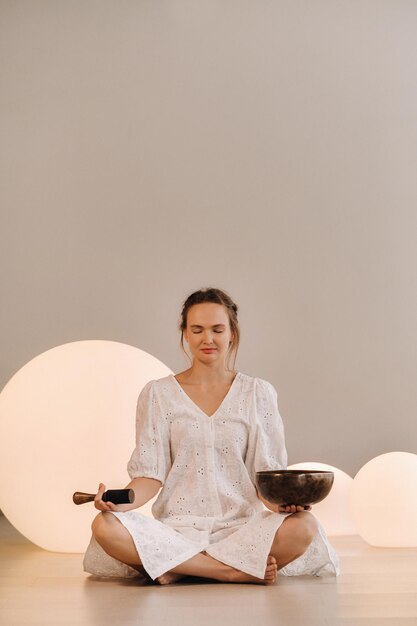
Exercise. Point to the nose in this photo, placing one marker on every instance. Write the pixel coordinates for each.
(207, 337)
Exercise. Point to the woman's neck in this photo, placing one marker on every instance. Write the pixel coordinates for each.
(200, 374)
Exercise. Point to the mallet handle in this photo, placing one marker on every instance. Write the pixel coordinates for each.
(117, 496)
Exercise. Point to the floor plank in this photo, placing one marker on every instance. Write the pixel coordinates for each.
(377, 587)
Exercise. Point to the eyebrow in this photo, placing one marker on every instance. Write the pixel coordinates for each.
(215, 326)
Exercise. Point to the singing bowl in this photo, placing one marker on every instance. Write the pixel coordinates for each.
(303, 487)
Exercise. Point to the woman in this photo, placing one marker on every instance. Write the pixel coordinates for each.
(201, 437)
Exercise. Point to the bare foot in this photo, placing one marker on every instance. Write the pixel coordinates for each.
(271, 570)
(269, 578)
(168, 578)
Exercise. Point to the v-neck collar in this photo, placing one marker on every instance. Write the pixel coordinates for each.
(196, 405)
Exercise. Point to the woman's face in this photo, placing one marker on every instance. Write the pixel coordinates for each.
(208, 332)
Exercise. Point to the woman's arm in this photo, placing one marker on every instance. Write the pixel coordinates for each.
(145, 489)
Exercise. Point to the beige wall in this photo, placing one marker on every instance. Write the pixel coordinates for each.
(267, 147)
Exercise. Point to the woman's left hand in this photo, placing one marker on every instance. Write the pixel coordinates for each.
(278, 508)
(293, 508)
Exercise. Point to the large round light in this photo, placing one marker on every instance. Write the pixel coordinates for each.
(333, 512)
(384, 500)
(67, 422)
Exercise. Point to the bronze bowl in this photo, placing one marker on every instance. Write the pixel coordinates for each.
(303, 487)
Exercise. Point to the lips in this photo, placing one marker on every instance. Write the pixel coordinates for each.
(208, 349)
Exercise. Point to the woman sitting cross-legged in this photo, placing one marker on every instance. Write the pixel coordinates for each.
(201, 437)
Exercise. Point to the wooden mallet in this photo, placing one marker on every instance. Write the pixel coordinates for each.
(117, 496)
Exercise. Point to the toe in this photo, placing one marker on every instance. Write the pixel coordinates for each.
(270, 575)
(271, 572)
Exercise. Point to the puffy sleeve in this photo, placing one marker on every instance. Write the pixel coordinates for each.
(266, 444)
(151, 456)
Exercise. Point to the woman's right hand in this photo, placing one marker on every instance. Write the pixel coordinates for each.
(293, 508)
(100, 504)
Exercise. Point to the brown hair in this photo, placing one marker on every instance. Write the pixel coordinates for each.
(210, 294)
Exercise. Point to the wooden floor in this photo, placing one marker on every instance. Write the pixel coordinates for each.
(376, 587)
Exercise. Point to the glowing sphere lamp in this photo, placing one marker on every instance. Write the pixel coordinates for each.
(383, 500)
(333, 512)
(67, 422)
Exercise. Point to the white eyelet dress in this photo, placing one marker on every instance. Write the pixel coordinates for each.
(207, 466)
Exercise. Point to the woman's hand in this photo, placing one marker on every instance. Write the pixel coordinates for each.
(145, 489)
(278, 508)
(292, 508)
(100, 504)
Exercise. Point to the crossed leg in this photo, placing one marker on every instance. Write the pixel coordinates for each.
(290, 541)
(293, 537)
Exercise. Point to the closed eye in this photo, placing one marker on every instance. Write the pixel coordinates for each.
(216, 330)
